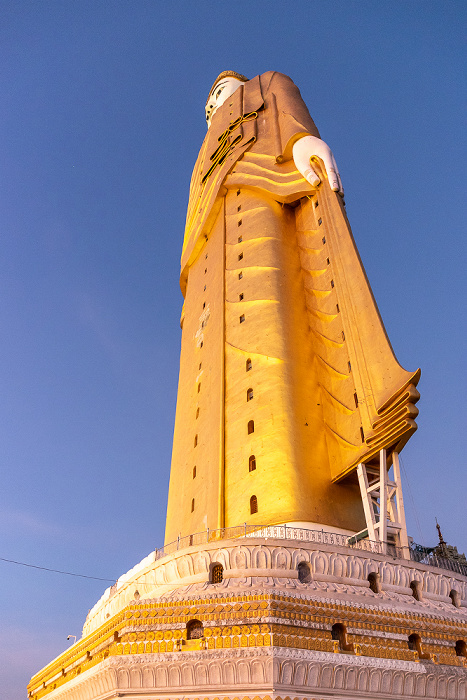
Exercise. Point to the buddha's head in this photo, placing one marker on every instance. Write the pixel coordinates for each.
(224, 86)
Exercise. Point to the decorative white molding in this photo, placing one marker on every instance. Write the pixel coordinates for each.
(272, 565)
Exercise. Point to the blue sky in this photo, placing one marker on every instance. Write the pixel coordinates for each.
(101, 121)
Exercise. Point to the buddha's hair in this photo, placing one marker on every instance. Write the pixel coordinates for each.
(226, 74)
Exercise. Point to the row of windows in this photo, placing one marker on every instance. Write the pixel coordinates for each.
(195, 629)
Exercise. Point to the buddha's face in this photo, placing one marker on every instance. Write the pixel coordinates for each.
(220, 93)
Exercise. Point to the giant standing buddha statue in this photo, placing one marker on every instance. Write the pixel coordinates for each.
(287, 570)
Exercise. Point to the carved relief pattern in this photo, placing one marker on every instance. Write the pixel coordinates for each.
(257, 611)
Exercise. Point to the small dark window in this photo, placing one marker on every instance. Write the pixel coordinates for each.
(238, 192)
(206, 256)
(324, 239)
(316, 204)
(206, 269)
(461, 648)
(204, 288)
(332, 284)
(251, 427)
(253, 505)
(320, 221)
(337, 308)
(192, 504)
(199, 387)
(194, 472)
(240, 296)
(239, 207)
(200, 365)
(252, 463)
(328, 262)
(304, 573)
(242, 318)
(414, 643)
(239, 223)
(194, 629)
(240, 257)
(373, 579)
(416, 587)
(197, 412)
(339, 634)
(349, 366)
(240, 275)
(248, 365)
(217, 573)
(249, 394)
(362, 434)
(355, 398)
(455, 598)
(196, 440)
(201, 344)
(204, 304)
(343, 335)
(239, 239)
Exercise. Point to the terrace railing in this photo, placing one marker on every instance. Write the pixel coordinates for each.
(285, 532)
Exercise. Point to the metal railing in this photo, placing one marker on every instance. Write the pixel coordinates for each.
(284, 532)
(428, 557)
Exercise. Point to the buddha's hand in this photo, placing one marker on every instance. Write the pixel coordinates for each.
(310, 147)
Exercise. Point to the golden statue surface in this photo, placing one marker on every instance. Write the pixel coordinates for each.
(285, 362)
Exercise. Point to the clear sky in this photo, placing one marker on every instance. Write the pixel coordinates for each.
(102, 117)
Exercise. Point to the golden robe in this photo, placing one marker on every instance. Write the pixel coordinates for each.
(273, 263)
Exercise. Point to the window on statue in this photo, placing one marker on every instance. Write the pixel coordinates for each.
(455, 598)
(192, 504)
(332, 284)
(461, 648)
(253, 505)
(240, 297)
(239, 239)
(362, 434)
(320, 221)
(304, 573)
(374, 581)
(240, 256)
(252, 463)
(248, 365)
(240, 275)
(355, 398)
(339, 634)
(197, 412)
(251, 427)
(249, 394)
(194, 629)
(416, 587)
(196, 440)
(217, 573)
(194, 472)
(199, 387)
(242, 318)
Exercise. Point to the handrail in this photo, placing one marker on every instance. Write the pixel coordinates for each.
(286, 532)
